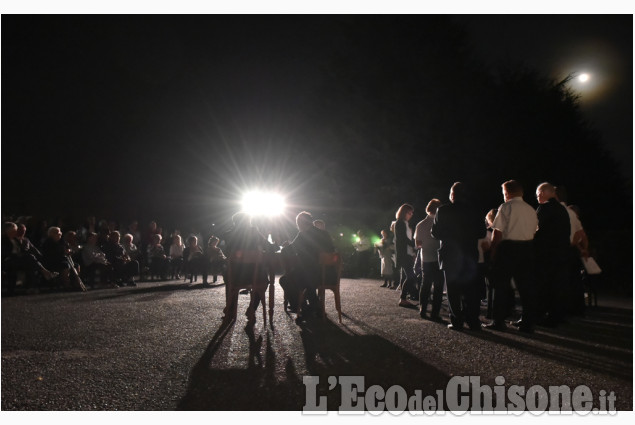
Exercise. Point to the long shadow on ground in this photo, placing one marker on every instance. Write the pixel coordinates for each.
(329, 351)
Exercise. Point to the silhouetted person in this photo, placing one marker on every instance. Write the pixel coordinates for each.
(552, 250)
(307, 246)
(459, 226)
(245, 237)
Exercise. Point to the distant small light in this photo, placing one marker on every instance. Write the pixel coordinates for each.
(584, 78)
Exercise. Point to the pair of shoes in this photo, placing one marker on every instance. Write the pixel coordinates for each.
(517, 323)
(496, 326)
(422, 314)
(384, 285)
(454, 327)
(405, 303)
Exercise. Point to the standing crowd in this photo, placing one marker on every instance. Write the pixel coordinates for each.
(516, 248)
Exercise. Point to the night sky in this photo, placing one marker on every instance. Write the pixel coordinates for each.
(168, 116)
(563, 44)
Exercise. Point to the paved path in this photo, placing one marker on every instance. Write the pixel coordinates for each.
(161, 346)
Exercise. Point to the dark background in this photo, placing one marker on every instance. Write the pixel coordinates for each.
(172, 117)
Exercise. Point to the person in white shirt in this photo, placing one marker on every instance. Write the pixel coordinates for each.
(431, 273)
(512, 252)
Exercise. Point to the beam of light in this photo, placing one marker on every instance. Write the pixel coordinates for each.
(257, 203)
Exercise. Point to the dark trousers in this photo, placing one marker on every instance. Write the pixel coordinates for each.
(26, 263)
(514, 259)
(553, 283)
(575, 296)
(431, 275)
(125, 270)
(215, 268)
(463, 299)
(407, 278)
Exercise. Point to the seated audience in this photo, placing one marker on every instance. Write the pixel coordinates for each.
(95, 262)
(176, 256)
(15, 260)
(193, 258)
(56, 257)
(124, 268)
(157, 260)
(216, 260)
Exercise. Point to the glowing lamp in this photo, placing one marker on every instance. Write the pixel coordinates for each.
(263, 203)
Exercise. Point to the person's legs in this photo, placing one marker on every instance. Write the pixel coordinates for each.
(472, 291)
(408, 277)
(438, 280)
(501, 281)
(455, 301)
(426, 284)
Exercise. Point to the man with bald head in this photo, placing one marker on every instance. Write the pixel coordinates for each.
(552, 242)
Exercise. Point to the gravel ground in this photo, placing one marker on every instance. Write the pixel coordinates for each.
(162, 346)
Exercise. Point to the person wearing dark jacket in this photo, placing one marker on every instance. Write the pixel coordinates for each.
(15, 259)
(552, 241)
(56, 257)
(458, 225)
(124, 268)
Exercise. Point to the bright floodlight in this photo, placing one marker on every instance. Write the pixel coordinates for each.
(583, 78)
(263, 203)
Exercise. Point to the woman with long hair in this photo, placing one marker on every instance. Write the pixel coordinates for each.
(405, 250)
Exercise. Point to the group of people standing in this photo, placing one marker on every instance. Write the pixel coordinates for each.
(539, 249)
